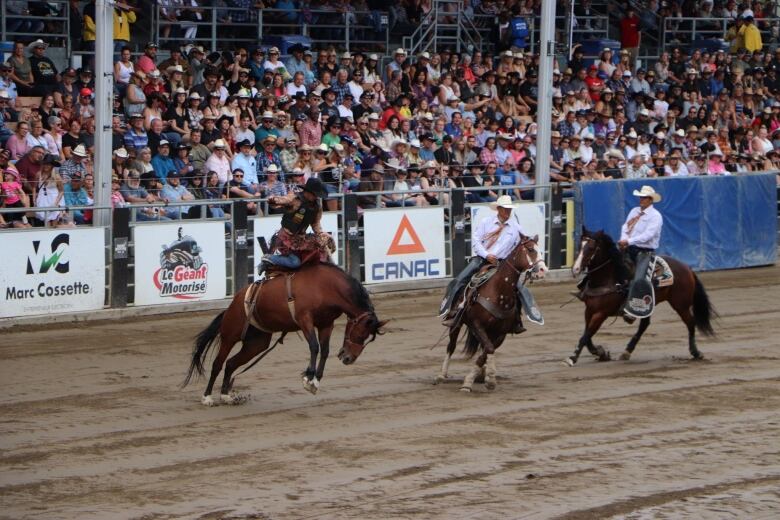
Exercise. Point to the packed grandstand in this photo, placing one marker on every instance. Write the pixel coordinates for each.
(685, 88)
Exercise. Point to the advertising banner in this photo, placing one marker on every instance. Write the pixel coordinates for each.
(265, 227)
(404, 244)
(56, 271)
(530, 215)
(179, 262)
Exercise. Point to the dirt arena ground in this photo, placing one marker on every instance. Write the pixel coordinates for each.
(94, 426)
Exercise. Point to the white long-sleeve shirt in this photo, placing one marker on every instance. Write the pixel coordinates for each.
(506, 242)
(647, 230)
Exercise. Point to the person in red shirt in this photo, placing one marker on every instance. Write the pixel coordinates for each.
(595, 83)
(630, 35)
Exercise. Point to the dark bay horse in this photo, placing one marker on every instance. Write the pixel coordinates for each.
(492, 313)
(600, 258)
(322, 293)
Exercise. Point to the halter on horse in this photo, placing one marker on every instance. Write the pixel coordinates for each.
(604, 294)
(490, 313)
(324, 292)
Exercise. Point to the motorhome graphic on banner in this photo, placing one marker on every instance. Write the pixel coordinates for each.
(179, 262)
(404, 244)
(55, 271)
(531, 216)
(265, 227)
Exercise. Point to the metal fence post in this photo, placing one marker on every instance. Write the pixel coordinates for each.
(260, 26)
(556, 227)
(458, 230)
(214, 14)
(351, 235)
(346, 31)
(120, 231)
(241, 246)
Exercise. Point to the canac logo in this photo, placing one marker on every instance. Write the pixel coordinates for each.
(413, 261)
(182, 274)
(40, 262)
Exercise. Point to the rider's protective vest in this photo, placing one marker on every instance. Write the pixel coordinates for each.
(298, 221)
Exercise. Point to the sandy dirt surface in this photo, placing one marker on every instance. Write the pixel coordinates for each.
(94, 426)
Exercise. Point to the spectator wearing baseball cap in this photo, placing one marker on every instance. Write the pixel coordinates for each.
(162, 162)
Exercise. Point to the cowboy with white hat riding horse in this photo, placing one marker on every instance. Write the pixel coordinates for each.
(494, 239)
(640, 236)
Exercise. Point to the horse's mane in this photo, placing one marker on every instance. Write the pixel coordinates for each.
(613, 253)
(359, 294)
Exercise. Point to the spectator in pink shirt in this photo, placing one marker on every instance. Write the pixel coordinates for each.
(715, 166)
(17, 144)
(146, 63)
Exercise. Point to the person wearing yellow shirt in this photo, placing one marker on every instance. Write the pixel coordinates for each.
(751, 35)
(734, 36)
(124, 15)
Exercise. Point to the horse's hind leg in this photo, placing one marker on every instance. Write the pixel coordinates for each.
(445, 366)
(254, 343)
(643, 324)
(685, 313)
(488, 360)
(216, 368)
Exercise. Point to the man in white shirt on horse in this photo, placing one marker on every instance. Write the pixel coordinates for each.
(640, 236)
(494, 239)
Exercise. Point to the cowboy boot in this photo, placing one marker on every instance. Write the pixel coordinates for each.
(519, 328)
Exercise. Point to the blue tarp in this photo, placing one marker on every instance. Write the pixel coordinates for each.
(709, 222)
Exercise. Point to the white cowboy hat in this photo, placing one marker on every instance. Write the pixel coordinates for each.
(648, 191)
(219, 144)
(393, 163)
(272, 168)
(504, 201)
(80, 151)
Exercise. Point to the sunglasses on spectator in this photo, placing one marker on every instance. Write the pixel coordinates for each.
(237, 175)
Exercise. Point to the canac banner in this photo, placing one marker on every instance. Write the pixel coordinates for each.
(57, 271)
(530, 215)
(404, 244)
(179, 262)
(265, 227)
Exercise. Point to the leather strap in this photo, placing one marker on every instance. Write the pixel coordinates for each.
(496, 311)
(290, 297)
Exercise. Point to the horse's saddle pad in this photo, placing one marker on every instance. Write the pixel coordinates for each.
(662, 274)
(484, 274)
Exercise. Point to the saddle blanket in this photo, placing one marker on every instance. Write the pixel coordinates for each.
(662, 274)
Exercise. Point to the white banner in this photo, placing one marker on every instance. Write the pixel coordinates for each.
(530, 215)
(56, 271)
(266, 227)
(404, 244)
(180, 262)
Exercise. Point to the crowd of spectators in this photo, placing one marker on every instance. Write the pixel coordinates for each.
(249, 123)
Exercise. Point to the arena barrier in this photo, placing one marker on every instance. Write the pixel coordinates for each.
(137, 262)
(717, 222)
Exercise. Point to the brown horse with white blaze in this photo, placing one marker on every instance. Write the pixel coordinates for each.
(491, 313)
(322, 293)
(603, 263)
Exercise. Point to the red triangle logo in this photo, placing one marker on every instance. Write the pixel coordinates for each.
(396, 248)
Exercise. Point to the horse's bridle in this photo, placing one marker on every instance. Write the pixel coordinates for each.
(593, 255)
(531, 266)
(352, 322)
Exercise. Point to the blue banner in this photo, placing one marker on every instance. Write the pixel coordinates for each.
(710, 223)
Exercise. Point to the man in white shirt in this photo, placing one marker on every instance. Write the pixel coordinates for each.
(494, 239)
(640, 236)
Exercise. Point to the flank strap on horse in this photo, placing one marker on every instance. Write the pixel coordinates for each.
(250, 300)
(290, 297)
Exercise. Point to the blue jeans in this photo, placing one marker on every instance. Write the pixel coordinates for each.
(290, 261)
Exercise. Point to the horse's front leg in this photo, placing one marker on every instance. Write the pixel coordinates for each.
(445, 366)
(489, 347)
(324, 334)
(310, 382)
(593, 321)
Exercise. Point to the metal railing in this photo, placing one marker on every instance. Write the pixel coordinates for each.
(52, 27)
(445, 26)
(679, 31)
(350, 30)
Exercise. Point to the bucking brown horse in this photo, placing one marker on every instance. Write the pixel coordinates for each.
(310, 300)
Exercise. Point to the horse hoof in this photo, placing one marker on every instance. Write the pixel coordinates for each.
(569, 362)
(625, 356)
(465, 389)
(439, 379)
(698, 356)
(207, 400)
(311, 386)
(234, 398)
(605, 357)
(490, 385)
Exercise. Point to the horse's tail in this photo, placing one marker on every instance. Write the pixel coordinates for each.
(703, 311)
(472, 345)
(203, 342)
